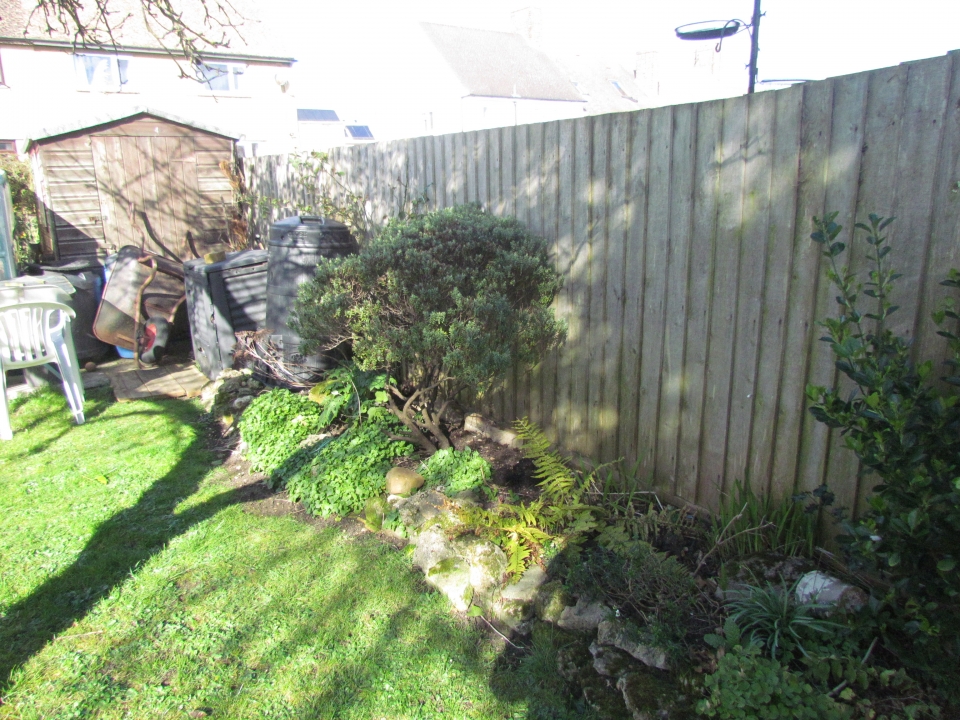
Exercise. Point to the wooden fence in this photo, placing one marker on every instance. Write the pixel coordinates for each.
(692, 289)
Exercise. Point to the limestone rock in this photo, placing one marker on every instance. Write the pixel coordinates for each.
(609, 661)
(486, 561)
(550, 601)
(432, 547)
(403, 481)
(451, 576)
(478, 424)
(818, 587)
(585, 616)
(526, 588)
(424, 509)
(627, 637)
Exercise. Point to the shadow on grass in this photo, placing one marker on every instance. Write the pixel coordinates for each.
(118, 546)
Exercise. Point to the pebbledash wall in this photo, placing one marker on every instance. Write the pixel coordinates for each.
(692, 289)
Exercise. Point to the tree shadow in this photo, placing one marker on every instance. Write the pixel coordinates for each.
(118, 547)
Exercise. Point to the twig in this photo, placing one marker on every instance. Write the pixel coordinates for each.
(490, 625)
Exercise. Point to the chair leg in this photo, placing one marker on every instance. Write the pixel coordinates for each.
(70, 372)
(6, 432)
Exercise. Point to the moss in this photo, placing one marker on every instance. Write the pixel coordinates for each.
(551, 600)
(650, 693)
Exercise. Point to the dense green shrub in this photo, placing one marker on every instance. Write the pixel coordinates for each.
(450, 300)
(905, 429)
(456, 470)
(24, 201)
(274, 425)
(338, 475)
(347, 392)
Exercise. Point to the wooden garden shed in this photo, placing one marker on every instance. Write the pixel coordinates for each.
(145, 179)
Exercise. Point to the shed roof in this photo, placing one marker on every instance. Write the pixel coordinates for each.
(50, 133)
(490, 63)
(251, 40)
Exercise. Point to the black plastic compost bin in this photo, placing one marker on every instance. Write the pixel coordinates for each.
(295, 247)
(224, 298)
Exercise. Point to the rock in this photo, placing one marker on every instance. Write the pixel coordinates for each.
(432, 547)
(374, 511)
(486, 561)
(426, 509)
(230, 385)
(242, 401)
(652, 695)
(451, 576)
(818, 587)
(584, 616)
(609, 661)
(627, 637)
(550, 601)
(403, 481)
(478, 424)
(526, 588)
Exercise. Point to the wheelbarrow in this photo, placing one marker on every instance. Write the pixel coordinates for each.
(140, 301)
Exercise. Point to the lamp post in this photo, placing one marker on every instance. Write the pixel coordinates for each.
(718, 30)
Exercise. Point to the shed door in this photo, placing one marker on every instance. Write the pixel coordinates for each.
(73, 203)
(154, 190)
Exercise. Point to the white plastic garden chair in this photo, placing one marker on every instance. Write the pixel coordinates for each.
(37, 333)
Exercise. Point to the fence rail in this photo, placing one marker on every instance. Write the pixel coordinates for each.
(692, 290)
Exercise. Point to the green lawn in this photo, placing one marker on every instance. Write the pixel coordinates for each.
(135, 585)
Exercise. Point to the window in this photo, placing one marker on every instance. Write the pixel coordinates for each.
(317, 116)
(220, 77)
(8, 147)
(106, 73)
(359, 132)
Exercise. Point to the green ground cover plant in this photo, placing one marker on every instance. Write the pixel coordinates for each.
(135, 584)
(274, 425)
(455, 470)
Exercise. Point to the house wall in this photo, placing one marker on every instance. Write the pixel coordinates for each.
(692, 289)
(42, 92)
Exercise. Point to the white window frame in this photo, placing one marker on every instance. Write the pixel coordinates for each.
(112, 82)
(231, 71)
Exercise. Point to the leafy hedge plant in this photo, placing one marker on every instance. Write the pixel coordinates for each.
(338, 475)
(456, 470)
(442, 302)
(347, 392)
(274, 425)
(905, 429)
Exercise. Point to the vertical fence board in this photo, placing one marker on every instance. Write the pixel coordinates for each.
(619, 160)
(683, 149)
(551, 215)
(635, 269)
(707, 164)
(780, 232)
(723, 320)
(566, 303)
(597, 327)
(755, 238)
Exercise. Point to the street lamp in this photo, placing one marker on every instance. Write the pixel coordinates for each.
(719, 29)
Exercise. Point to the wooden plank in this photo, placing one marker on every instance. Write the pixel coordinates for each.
(777, 291)
(439, 172)
(534, 201)
(551, 212)
(434, 192)
(656, 249)
(707, 162)
(78, 158)
(521, 189)
(457, 169)
(944, 249)
(597, 418)
(565, 262)
(635, 269)
(579, 287)
(470, 143)
(754, 248)
(483, 168)
(723, 318)
(72, 174)
(109, 208)
(682, 178)
(839, 466)
(614, 290)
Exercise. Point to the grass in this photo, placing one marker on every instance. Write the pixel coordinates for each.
(135, 585)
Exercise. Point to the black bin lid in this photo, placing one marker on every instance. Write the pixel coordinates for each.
(239, 259)
(305, 229)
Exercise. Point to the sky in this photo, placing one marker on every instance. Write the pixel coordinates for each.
(357, 55)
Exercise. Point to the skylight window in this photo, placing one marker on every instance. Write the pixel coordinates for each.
(306, 115)
(360, 132)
